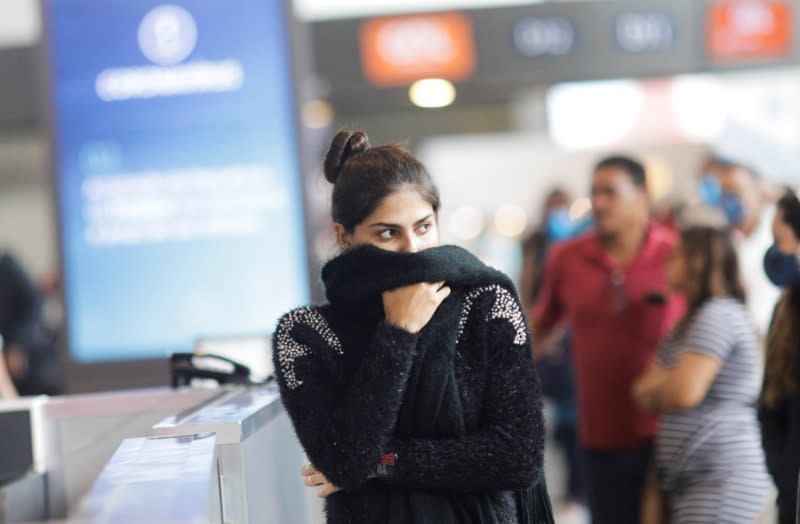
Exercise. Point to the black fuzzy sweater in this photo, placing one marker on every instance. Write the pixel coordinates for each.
(343, 374)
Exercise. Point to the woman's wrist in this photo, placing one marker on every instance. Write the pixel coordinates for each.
(399, 324)
(400, 327)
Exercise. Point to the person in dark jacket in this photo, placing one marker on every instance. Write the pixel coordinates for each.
(28, 349)
(413, 391)
(780, 401)
(554, 363)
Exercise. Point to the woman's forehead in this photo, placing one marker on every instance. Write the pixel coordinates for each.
(401, 207)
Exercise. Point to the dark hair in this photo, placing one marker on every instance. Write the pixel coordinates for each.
(553, 195)
(712, 268)
(789, 205)
(719, 160)
(633, 168)
(362, 176)
(783, 356)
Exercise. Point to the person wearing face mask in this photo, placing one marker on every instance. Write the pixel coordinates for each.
(736, 192)
(779, 409)
(555, 225)
(554, 362)
(413, 390)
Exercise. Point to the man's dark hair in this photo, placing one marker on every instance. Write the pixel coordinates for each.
(633, 168)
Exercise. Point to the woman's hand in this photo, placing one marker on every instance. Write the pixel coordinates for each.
(412, 307)
(313, 478)
(648, 389)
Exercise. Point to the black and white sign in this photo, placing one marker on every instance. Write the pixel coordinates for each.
(645, 32)
(544, 36)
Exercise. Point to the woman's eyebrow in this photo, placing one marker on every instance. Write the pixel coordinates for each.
(394, 226)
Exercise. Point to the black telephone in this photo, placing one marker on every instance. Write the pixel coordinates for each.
(185, 367)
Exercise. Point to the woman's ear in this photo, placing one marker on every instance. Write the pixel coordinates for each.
(344, 238)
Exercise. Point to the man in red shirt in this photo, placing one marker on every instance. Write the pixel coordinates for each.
(610, 288)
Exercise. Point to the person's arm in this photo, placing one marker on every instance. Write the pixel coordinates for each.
(704, 347)
(7, 389)
(681, 387)
(506, 452)
(343, 434)
(647, 388)
(688, 382)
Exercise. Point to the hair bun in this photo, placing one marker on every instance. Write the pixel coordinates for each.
(344, 146)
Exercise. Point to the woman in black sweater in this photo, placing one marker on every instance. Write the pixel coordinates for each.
(412, 391)
(780, 403)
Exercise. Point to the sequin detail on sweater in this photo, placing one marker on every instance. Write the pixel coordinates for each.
(505, 307)
(288, 349)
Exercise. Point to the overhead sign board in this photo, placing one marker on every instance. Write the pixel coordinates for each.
(400, 50)
(750, 29)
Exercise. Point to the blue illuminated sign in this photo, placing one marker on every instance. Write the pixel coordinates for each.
(176, 169)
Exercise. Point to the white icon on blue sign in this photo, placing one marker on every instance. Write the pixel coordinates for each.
(167, 34)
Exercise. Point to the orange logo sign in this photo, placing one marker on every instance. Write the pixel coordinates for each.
(399, 50)
(742, 29)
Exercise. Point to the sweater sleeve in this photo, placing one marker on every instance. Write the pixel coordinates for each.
(342, 429)
(506, 453)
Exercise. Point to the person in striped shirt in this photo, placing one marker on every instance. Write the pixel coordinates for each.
(706, 380)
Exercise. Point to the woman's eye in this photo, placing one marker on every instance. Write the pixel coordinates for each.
(387, 234)
(424, 228)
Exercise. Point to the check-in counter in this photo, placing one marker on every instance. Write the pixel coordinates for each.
(23, 465)
(53, 449)
(92, 459)
(259, 457)
(24, 499)
(170, 480)
(84, 431)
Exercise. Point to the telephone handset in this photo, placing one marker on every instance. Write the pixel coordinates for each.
(185, 367)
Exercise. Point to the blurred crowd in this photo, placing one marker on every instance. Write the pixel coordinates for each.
(30, 324)
(667, 339)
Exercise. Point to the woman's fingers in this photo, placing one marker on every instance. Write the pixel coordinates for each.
(313, 480)
(327, 490)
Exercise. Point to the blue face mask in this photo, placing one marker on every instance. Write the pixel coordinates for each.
(781, 269)
(729, 203)
(561, 226)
